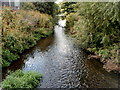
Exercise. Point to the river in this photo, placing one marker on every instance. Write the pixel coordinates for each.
(63, 64)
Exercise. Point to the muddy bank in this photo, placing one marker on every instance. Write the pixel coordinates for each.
(108, 64)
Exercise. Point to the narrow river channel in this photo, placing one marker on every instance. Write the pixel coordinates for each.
(63, 64)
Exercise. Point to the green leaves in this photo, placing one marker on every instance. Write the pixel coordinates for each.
(105, 40)
(20, 79)
(97, 27)
(8, 57)
(28, 28)
(68, 7)
(27, 6)
(46, 7)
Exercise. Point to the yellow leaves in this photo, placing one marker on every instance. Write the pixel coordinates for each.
(18, 23)
(22, 19)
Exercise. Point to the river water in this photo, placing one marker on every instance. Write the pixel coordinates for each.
(63, 64)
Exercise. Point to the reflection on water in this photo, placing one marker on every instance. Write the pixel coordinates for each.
(62, 43)
(63, 64)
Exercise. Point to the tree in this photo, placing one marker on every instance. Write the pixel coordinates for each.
(68, 7)
(46, 7)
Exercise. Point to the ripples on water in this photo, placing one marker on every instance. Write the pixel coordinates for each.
(63, 65)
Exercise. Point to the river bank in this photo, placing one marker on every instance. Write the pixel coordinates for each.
(96, 30)
(108, 65)
(21, 32)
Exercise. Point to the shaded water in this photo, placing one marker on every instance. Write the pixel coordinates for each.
(63, 64)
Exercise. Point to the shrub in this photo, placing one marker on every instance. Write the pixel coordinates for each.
(97, 26)
(21, 31)
(20, 79)
(8, 57)
(27, 6)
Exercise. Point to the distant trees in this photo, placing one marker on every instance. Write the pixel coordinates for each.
(68, 7)
(44, 7)
(27, 6)
(49, 8)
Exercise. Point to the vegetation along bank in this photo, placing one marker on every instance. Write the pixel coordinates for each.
(20, 79)
(21, 29)
(96, 26)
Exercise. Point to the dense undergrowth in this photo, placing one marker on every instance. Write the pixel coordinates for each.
(50, 8)
(20, 30)
(20, 79)
(97, 27)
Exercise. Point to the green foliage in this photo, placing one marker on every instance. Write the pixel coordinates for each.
(68, 7)
(8, 57)
(20, 79)
(42, 32)
(45, 7)
(18, 30)
(97, 25)
(103, 19)
(49, 8)
(27, 6)
(105, 40)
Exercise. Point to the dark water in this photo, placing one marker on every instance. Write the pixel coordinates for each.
(63, 64)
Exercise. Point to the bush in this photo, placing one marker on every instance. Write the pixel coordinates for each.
(8, 57)
(101, 25)
(20, 79)
(21, 31)
(41, 33)
(97, 26)
(27, 6)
